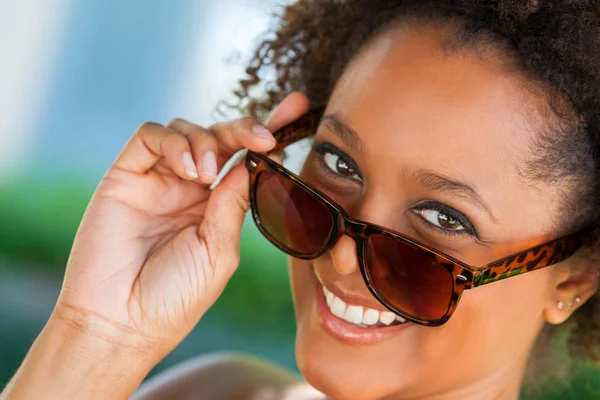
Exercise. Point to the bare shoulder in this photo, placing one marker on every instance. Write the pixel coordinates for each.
(218, 376)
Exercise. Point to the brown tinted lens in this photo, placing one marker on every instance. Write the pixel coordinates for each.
(409, 279)
(291, 215)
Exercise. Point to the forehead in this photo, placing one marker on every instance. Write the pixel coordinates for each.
(416, 106)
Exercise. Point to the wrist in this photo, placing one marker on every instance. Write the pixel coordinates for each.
(78, 355)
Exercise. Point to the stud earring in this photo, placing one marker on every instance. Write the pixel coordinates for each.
(560, 305)
(576, 300)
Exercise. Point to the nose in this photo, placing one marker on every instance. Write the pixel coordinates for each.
(344, 256)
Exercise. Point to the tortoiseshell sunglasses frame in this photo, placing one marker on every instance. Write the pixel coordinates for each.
(464, 276)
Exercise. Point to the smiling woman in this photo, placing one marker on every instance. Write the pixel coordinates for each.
(454, 146)
(470, 127)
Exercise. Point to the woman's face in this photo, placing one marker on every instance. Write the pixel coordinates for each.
(434, 146)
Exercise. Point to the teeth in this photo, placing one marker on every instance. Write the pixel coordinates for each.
(386, 317)
(361, 316)
(370, 317)
(354, 314)
(338, 308)
(328, 296)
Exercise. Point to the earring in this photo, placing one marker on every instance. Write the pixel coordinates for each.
(576, 300)
(560, 305)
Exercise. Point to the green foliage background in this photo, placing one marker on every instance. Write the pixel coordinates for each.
(39, 220)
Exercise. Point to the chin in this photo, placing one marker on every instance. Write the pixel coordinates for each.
(336, 378)
(340, 369)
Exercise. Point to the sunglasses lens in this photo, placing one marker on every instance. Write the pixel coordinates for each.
(291, 216)
(409, 279)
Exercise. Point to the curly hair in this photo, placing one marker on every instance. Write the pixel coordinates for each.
(554, 43)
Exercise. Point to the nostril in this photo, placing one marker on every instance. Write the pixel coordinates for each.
(344, 256)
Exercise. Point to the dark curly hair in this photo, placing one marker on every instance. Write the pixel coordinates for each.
(555, 44)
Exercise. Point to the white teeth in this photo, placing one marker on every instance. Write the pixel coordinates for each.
(338, 307)
(370, 317)
(329, 297)
(360, 316)
(387, 317)
(354, 314)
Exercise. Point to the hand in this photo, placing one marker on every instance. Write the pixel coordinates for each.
(156, 246)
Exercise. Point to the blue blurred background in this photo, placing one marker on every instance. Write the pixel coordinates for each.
(77, 78)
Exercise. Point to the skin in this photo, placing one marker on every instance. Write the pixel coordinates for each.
(156, 247)
(412, 107)
(153, 252)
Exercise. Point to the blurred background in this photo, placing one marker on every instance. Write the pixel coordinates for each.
(76, 79)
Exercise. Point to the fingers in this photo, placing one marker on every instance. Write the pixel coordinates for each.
(249, 133)
(291, 108)
(204, 148)
(224, 216)
(212, 147)
(194, 152)
(243, 133)
(229, 201)
(150, 143)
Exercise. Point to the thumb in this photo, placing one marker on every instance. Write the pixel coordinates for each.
(229, 201)
(223, 219)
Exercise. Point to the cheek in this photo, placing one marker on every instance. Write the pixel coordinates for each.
(492, 328)
(503, 318)
(519, 298)
(302, 287)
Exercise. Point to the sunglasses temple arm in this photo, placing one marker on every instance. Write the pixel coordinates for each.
(297, 130)
(512, 267)
(301, 128)
(532, 259)
(491, 274)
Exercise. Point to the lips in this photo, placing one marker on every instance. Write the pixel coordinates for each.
(363, 317)
(341, 317)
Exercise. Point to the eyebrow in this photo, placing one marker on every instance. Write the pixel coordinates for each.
(344, 132)
(435, 181)
(427, 178)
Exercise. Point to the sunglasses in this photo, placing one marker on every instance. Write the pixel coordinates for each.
(413, 280)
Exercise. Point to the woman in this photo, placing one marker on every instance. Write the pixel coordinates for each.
(470, 129)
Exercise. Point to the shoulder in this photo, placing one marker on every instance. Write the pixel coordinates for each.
(217, 376)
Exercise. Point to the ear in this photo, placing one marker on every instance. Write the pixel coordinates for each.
(573, 284)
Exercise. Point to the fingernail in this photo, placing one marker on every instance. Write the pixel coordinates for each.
(209, 164)
(263, 132)
(188, 163)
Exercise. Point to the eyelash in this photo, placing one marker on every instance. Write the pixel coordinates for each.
(450, 212)
(323, 148)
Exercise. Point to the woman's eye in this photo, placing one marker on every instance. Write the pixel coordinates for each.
(340, 166)
(441, 220)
